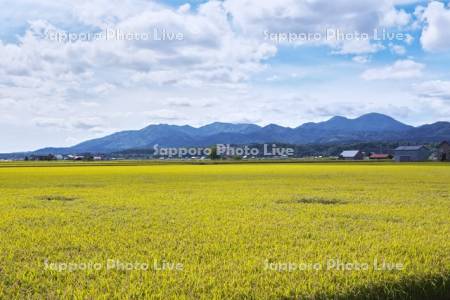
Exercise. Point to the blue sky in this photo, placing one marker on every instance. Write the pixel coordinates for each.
(226, 65)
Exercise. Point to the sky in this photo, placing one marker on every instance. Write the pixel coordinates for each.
(77, 70)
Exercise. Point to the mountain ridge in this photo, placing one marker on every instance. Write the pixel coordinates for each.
(369, 127)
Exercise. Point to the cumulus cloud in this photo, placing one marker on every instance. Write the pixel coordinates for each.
(292, 14)
(86, 85)
(359, 47)
(222, 42)
(309, 17)
(361, 59)
(209, 50)
(83, 123)
(434, 89)
(401, 69)
(397, 49)
(436, 34)
(395, 18)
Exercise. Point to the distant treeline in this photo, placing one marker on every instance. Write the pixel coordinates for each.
(325, 150)
(316, 150)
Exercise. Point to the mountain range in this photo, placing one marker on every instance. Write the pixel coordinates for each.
(367, 128)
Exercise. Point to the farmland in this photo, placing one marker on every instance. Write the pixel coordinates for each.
(257, 231)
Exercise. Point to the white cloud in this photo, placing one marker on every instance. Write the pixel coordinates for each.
(409, 39)
(222, 41)
(395, 18)
(358, 46)
(397, 49)
(83, 123)
(184, 8)
(50, 73)
(401, 69)
(405, 2)
(210, 49)
(434, 89)
(436, 34)
(303, 14)
(308, 17)
(361, 59)
(219, 67)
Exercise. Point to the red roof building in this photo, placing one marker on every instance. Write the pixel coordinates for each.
(380, 156)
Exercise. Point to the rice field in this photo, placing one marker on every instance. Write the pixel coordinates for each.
(225, 231)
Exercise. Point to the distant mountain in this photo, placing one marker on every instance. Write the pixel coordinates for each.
(367, 128)
(370, 122)
(217, 128)
(439, 131)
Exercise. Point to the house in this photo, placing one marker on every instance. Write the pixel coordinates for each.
(444, 151)
(351, 155)
(412, 153)
(380, 156)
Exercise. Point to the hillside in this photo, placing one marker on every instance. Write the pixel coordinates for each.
(367, 128)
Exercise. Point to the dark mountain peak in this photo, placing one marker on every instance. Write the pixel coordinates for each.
(160, 127)
(374, 114)
(275, 128)
(273, 131)
(437, 132)
(164, 125)
(337, 118)
(228, 125)
(437, 124)
(337, 121)
(187, 127)
(154, 126)
(220, 127)
(375, 117)
(368, 122)
(369, 127)
(219, 124)
(377, 121)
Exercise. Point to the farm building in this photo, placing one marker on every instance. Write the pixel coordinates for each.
(444, 151)
(380, 156)
(351, 155)
(411, 153)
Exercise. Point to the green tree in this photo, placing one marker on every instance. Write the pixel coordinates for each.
(213, 155)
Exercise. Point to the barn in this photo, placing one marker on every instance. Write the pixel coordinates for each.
(351, 155)
(412, 153)
(444, 151)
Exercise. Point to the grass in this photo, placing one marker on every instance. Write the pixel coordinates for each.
(225, 224)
